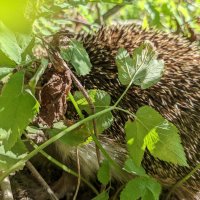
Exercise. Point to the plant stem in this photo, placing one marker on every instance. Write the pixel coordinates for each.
(64, 167)
(21, 162)
(184, 179)
(75, 105)
(124, 93)
(95, 139)
(40, 179)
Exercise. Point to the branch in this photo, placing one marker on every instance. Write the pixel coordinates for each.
(41, 180)
(110, 12)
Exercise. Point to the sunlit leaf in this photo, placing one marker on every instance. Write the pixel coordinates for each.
(143, 69)
(17, 109)
(100, 99)
(145, 188)
(78, 57)
(9, 158)
(150, 130)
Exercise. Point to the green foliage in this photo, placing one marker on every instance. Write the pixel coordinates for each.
(18, 106)
(104, 172)
(17, 109)
(150, 130)
(78, 57)
(102, 196)
(12, 46)
(132, 168)
(101, 100)
(141, 187)
(73, 138)
(34, 80)
(9, 45)
(142, 69)
(9, 158)
(4, 71)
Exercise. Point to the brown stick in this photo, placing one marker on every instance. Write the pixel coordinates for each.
(41, 180)
(110, 12)
(61, 65)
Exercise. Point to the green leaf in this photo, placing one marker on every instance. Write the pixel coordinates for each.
(26, 43)
(100, 99)
(145, 188)
(135, 141)
(78, 57)
(4, 71)
(17, 108)
(102, 196)
(125, 66)
(4, 134)
(142, 69)
(41, 69)
(103, 174)
(150, 130)
(73, 138)
(9, 158)
(9, 45)
(130, 167)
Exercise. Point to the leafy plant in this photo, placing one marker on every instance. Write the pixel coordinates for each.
(21, 72)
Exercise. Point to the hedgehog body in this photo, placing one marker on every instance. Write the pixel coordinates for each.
(176, 97)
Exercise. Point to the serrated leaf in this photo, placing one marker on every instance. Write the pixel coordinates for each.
(9, 45)
(100, 99)
(150, 130)
(78, 57)
(102, 196)
(142, 69)
(141, 187)
(103, 174)
(168, 147)
(130, 167)
(17, 108)
(125, 66)
(9, 158)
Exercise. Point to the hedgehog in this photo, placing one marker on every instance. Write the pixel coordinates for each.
(176, 97)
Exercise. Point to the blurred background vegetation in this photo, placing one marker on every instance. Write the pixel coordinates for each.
(179, 16)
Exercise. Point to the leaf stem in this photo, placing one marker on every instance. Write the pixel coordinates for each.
(20, 163)
(95, 139)
(64, 167)
(184, 179)
(124, 93)
(75, 105)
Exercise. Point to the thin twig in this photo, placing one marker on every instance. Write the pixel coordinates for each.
(51, 140)
(6, 189)
(92, 107)
(99, 19)
(63, 167)
(41, 180)
(110, 12)
(80, 22)
(79, 175)
(184, 179)
(61, 65)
